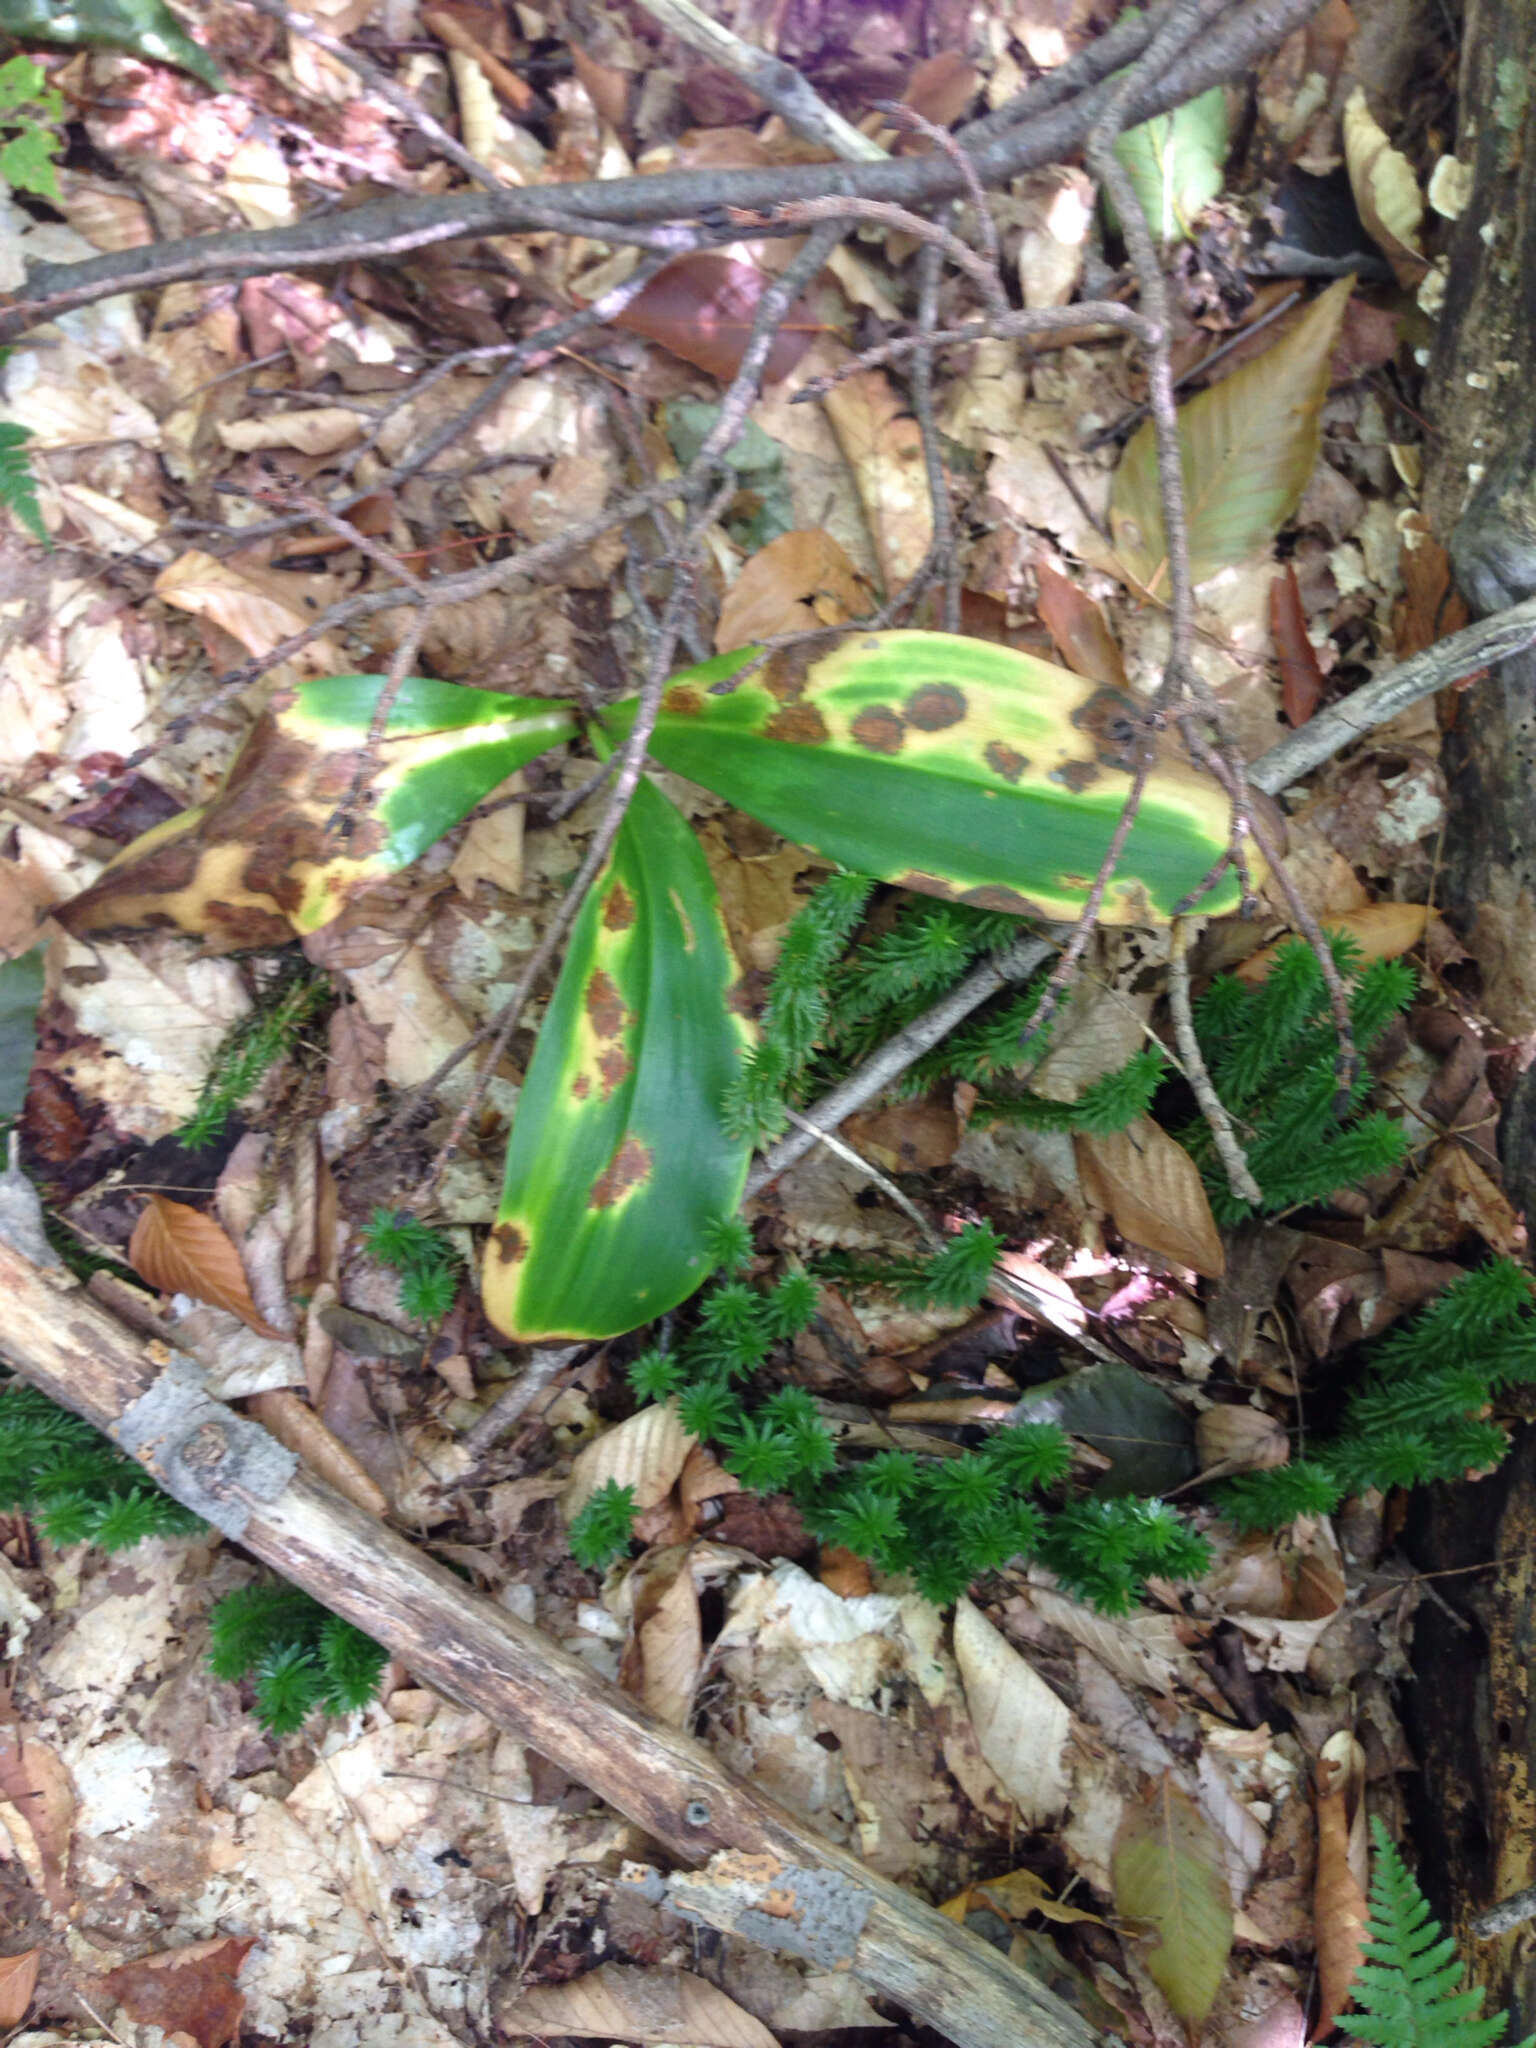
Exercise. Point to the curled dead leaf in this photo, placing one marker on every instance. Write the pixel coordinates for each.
(182, 1251)
(1240, 1439)
(1386, 191)
(1382, 931)
(1340, 1911)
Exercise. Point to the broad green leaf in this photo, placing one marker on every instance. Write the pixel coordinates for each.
(21, 80)
(1168, 1872)
(618, 1165)
(1146, 1435)
(1249, 446)
(26, 162)
(21, 990)
(952, 766)
(1175, 161)
(272, 854)
(146, 28)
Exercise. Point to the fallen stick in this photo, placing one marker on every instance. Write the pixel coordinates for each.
(767, 1876)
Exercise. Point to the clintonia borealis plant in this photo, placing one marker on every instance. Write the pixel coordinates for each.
(970, 772)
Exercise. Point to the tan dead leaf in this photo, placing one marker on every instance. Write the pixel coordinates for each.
(844, 1572)
(702, 1478)
(1386, 191)
(1282, 1592)
(37, 1811)
(1020, 1723)
(1382, 931)
(110, 218)
(315, 430)
(1141, 1649)
(1239, 1439)
(622, 2002)
(1079, 628)
(881, 444)
(18, 1981)
(66, 398)
(478, 112)
(259, 182)
(257, 613)
(1343, 1871)
(665, 1652)
(189, 1992)
(181, 1251)
(647, 1452)
(800, 581)
(492, 848)
(1452, 1196)
(908, 1137)
(1018, 1893)
(293, 1422)
(1152, 1188)
(862, 285)
(940, 88)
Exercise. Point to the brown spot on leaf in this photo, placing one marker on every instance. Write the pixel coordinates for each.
(1005, 761)
(605, 1006)
(619, 910)
(881, 728)
(684, 700)
(927, 885)
(994, 896)
(935, 706)
(787, 671)
(630, 1167)
(581, 1087)
(1115, 724)
(510, 1243)
(1076, 776)
(613, 1064)
(801, 724)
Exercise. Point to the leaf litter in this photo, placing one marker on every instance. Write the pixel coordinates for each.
(1135, 1758)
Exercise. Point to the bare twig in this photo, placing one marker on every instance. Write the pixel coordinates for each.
(871, 1173)
(806, 213)
(1020, 961)
(545, 1364)
(1218, 1122)
(777, 84)
(1009, 326)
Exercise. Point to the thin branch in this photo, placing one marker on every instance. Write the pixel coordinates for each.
(1198, 1074)
(777, 84)
(846, 1152)
(1021, 960)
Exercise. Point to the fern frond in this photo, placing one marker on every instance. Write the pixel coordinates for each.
(1410, 1986)
(18, 486)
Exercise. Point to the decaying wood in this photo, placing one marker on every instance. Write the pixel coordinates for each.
(767, 1876)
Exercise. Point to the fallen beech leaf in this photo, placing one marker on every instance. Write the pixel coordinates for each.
(1021, 1726)
(799, 581)
(1239, 1439)
(1079, 628)
(1452, 1196)
(647, 1452)
(665, 1652)
(18, 1981)
(701, 308)
(293, 1422)
(257, 610)
(317, 430)
(1382, 931)
(622, 2002)
(883, 446)
(1301, 680)
(1386, 191)
(37, 1811)
(186, 1991)
(1169, 1871)
(182, 1251)
(1152, 1189)
(1340, 1911)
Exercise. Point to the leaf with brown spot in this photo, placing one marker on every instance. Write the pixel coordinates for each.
(189, 1992)
(1153, 1190)
(181, 1250)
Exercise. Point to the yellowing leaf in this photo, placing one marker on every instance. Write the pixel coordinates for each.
(1152, 1188)
(1021, 1725)
(181, 1250)
(1249, 447)
(1386, 191)
(1168, 1872)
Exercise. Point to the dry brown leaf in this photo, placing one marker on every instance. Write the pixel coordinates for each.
(1152, 1188)
(1451, 1197)
(621, 2002)
(1021, 1725)
(665, 1652)
(1386, 191)
(800, 581)
(181, 1251)
(1079, 628)
(188, 1992)
(1343, 1864)
(1239, 1439)
(647, 1452)
(315, 430)
(882, 446)
(18, 1981)
(37, 1811)
(294, 1423)
(844, 1572)
(701, 308)
(240, 602)
(1301, 680)
(1382, 931)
